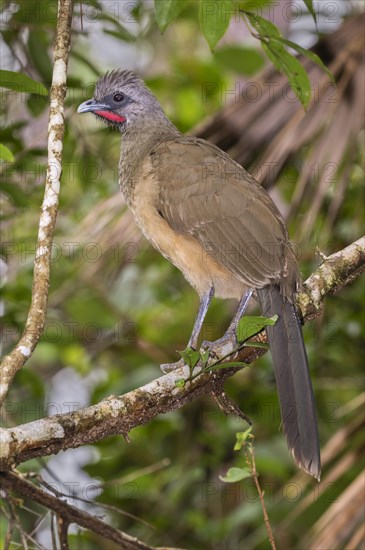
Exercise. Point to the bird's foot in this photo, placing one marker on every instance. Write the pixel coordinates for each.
(221, 347)
(217, 349)
(171, 367)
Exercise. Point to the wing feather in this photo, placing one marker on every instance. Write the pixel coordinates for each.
(212, 198)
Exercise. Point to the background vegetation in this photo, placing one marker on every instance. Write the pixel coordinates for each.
(117, 309)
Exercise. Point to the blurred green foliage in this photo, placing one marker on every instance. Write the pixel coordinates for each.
(117, 309)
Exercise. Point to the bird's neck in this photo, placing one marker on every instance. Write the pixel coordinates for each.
(138, 140)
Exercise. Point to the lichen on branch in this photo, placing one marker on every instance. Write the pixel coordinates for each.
(33, 330)
(119, 414)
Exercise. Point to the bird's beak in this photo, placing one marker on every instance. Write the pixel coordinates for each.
(91, 105)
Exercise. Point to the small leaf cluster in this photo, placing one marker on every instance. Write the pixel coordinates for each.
(18, 82)
(238, 474)
(246, 329)
(214, 19)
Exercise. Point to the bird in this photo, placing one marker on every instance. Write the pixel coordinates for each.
(211, 219)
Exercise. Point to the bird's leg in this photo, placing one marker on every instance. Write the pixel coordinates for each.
(228, 341)
(193, 340)
(203, 308)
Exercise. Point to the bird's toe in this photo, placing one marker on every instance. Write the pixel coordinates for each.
(170, 367)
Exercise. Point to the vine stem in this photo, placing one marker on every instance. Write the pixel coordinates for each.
(250, 458)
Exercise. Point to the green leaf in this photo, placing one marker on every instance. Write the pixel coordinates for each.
(20, 82)
(6, 154)
(295, 72)
(235, 474)
(310, 8)
(241, 60)
(241, 438)
(35, 13)
(264, 27)
(214, 19)
(272, 44)
(249, 326)
(204, 355)
(180, 383)
(190, 356)
(166, 11)
(308, 53)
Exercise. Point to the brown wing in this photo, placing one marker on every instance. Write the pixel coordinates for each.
(209, 196)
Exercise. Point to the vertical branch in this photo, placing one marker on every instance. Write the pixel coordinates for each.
(250, 458)
(62, 527)
(53, 532)
(15, 520)
(69, 514)
(13, 362)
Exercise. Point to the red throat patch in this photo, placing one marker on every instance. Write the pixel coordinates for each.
(111, 116)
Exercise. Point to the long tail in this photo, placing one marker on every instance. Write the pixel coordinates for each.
(298, 410)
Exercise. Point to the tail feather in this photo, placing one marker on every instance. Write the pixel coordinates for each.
(298, 410)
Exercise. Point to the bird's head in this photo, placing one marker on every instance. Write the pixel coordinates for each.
(121, 99)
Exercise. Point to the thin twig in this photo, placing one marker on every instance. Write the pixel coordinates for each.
(250, 457)
(119, 414)
(35, 543)
(13, 362)
(70, 514)
(38, 523)
(94, 503)
(81, 16)
(53, 532)
(9, 530)
(226, 404)
(15, 519)
(136, 474)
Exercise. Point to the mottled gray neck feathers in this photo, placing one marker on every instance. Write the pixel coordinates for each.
(139, 137)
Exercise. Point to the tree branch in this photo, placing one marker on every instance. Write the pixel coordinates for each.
(336, 272)
(118, 415)
(13, 362)
(66, 513)
(62, 528)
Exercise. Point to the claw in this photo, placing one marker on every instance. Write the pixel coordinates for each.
(217, 349)
(171, 367)
(221, 347)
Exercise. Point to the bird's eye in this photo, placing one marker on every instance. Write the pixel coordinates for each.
(118, 97)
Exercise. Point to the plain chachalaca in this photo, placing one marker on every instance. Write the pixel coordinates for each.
(214, 222)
